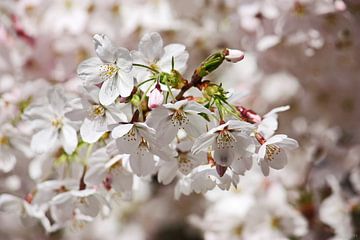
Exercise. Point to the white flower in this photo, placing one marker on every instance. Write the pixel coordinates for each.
(28, 212)
(11, 140)
(204, 178)
(138, 140)
(272, 152)
(76, 206)
(234, 55)
(53, 125)
(111, 68)
(96, 117)
(184, 162)
(231, 143)
(109, 172)
(184, 114)
(151, 53)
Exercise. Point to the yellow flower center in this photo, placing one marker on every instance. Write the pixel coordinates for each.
(108, 71)
(97, 111)
(57, 123)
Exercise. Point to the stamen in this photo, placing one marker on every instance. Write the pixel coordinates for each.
(184, 163)
(131, 135)
(57, 123)
(96, 111)
(179, 118)
(271, 151)
(108, 71)
(225, 140)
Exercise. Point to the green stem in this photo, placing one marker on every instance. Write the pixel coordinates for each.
(148, 80)
(144, 66)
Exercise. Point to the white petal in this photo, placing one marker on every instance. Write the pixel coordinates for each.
(265, 167)
(156, 116)
(167, 133)
(57, 100)
(90, 207)
(241, 164)
(142, 163)
(167, 172)
(276, 110)
(224, 157)
(10, 204)
(240, 126)
(180, 58)
(126, 83)
(128, 143)
(151, 46)
(276, 139)
(95, 174)
(76, 115)
(68, 138)
(109, 91)
(121, 130)
(104, 48)
(89, 71)
(44, 140)
(203, 142)
(195, 107)
(288, 143)
(7, 160)
(88, 131)
(196, 125)
(124, 59)
(122, 181)
(177, 105)
(279, 161)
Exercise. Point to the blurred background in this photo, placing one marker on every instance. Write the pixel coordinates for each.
(302, 53)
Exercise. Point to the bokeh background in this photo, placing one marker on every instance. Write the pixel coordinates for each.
(302, 53)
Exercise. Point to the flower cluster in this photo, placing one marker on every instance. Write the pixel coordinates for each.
(139, 116)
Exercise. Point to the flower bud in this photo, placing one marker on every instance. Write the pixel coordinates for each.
(233, 55)
(156, 98)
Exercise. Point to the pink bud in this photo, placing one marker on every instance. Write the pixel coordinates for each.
(156, 98)
(234, 55)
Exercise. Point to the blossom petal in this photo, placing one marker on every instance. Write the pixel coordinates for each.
(142, 163)
(68, 138)
(104, 48)
(95, 174)
(167, 172)
(44, 140)
(180, 55)
(109, 91)
(121, 130)
(279, 161)
(126, 83)
(89, 71)
(265, 167)
(151, 46)
(88, 131)
(57, 100)
(202, 142)
(122, 181)
(7, 160)
(123, 59)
